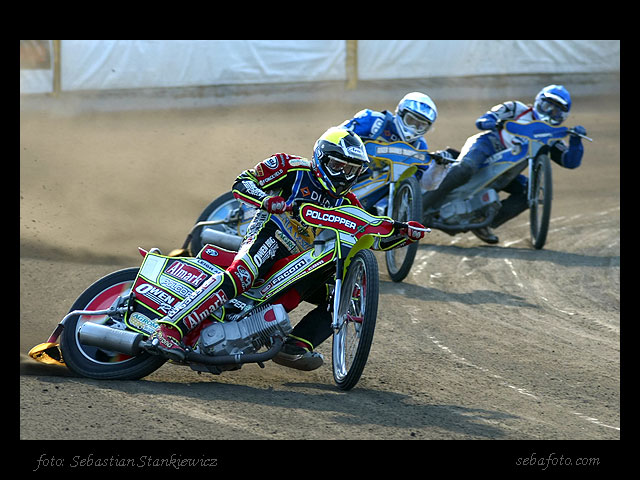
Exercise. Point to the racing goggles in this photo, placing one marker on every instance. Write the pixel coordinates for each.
(554, 110)
(419, 124)
(338, 166)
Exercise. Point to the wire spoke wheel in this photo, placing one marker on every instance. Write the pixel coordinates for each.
(407, 205)
(540, 203)
(94, 362)
(226, 206)
(357, 312)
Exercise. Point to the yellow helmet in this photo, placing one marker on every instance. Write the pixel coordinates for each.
(339, 157)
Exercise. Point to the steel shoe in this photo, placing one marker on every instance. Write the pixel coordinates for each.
(486, 235)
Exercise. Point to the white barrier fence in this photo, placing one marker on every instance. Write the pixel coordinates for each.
(48, 66)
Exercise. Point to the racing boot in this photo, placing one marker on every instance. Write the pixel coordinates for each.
(458, 175)
(297, 352)
(512, 206)
(166, 341)
(486, 235)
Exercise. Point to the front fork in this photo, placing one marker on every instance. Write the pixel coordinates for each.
(392, 194)
(337, 290)
(530, 189)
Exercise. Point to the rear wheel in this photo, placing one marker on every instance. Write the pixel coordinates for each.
(407, 205)
(223, 207)
(357, 310)
(94, 362)
(540, 203)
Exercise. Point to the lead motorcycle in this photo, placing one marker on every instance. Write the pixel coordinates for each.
(104, 334)
(392, 188)
(476, 203)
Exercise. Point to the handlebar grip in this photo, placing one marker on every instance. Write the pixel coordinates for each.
(442, 159)
(572, 132)
(403, 225)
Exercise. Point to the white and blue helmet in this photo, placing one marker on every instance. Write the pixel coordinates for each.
(552, 104)
(415, 114)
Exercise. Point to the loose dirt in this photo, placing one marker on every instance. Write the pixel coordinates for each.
(479, 342)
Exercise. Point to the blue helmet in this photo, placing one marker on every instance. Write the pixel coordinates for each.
(552, 104)
(415, 114)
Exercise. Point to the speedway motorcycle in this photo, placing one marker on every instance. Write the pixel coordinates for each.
(476, 203)
(390, 188)
(104, 334)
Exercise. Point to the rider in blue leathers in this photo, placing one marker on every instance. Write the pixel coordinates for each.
(415, 114)
(551, 105)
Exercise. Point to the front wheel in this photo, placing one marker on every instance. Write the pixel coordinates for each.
(94, 362)
(357, 310)
(540, 201)
(407, 205)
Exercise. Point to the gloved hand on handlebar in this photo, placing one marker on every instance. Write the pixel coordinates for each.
(580, 130)
(274, 204)
(575, 141)
(411, 230)
(442, 157)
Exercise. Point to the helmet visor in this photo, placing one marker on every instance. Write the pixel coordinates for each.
(337, 166)
(553, 110)
(419, 124)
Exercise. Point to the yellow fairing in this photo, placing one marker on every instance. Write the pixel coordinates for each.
(365, 242)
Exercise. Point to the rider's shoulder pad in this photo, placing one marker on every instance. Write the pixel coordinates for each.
(277, 166)
(508, 110)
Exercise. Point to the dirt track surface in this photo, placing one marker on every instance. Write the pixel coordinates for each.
(479, 342)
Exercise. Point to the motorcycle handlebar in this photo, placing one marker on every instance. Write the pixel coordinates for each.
(396, 225)
(442, 159)
(573, 132)
(402, 225)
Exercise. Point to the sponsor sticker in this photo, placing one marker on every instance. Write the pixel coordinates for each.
(271, 177)
(186, 273)
(163, 301)
(271, 162)
(142, 322)
(214, 302)
(266, 251)
(284, 274)
(329, 219)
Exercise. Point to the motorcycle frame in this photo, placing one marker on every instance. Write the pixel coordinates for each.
(402, 161)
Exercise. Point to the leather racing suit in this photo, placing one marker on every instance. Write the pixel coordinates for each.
(269, 238)
(482, 145)
(372, 125)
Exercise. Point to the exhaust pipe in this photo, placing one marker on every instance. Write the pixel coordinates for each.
(278, 342)
(221, 239)
(122, 341)
(127, 342)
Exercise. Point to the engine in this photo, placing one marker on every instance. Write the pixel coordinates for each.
(455, 212)
(246, 335)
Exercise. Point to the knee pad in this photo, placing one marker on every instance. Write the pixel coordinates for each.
(242, 275)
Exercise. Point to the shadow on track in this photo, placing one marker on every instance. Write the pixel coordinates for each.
(529, 254)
